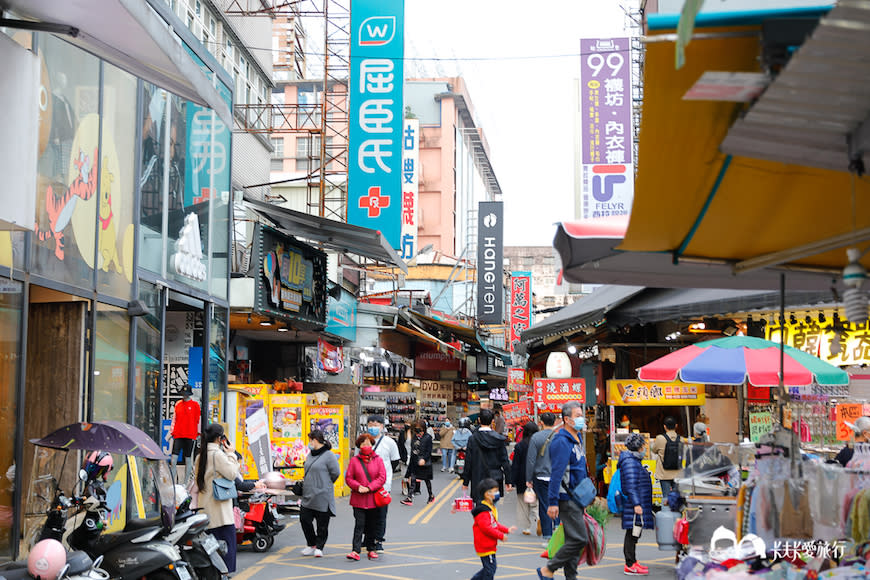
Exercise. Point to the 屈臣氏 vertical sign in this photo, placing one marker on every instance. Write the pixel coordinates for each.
(375, 138)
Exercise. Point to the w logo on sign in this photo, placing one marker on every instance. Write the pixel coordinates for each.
(377, 31)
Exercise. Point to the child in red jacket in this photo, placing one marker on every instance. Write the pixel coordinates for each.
(487, 530)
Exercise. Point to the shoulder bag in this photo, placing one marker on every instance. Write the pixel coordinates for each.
(583, 494)
(382, 496)
(222, 488)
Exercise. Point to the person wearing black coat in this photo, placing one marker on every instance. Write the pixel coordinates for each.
(527, 513)
(419, 463)
(637, 500)
(486, 456)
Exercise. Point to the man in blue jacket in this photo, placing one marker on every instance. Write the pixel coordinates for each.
(568, 469)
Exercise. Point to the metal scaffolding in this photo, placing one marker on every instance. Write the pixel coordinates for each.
(321, 127)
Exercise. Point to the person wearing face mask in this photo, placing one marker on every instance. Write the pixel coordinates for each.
(318, 493)
(419, 463)
(388, 451)
(567, 470)
(626, 423)
(365, 475)
(486, 529)
(637, 509)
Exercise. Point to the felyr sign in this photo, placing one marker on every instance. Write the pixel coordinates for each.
(490, 260)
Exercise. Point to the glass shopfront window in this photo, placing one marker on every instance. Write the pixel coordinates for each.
(115, 231)
(146, 407)
(11, 308)
(112, 359)
(68, 168)
(217, 364)
(154, 104)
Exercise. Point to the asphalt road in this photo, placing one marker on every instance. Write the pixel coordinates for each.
(428, 542)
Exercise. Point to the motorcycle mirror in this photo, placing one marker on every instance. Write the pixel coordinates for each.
(63, 572)
(83, 475)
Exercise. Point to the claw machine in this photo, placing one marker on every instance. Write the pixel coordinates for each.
(288, 434)
(332, 420)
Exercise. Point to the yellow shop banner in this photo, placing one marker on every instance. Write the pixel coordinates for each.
(640, 393)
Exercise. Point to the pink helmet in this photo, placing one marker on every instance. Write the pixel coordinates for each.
(46, 560)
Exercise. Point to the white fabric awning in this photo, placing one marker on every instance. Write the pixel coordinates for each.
(132, 36)
(816, 112)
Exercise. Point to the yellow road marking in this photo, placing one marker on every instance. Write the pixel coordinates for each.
(446, 491)
(440, 502)
(248, 573)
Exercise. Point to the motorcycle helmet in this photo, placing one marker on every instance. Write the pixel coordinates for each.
(98, 465)
(46, 560)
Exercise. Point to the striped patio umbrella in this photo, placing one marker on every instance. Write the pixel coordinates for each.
(742, 359)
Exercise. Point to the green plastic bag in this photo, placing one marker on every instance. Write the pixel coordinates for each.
(557, 540)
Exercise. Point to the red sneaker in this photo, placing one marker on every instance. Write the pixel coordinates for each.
(373, 555)
(635, 570)
(353, 556)
(641, 567)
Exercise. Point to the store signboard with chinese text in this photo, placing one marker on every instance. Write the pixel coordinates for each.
(520, 313)
(606, 137)
(341, 315)
(849, 413)
(499, 394)
(519, 380)
(436, 389)
(516, 414)
(410, 187)
(844, 345)
(639, 393)
(551, 394)
(292, 278)
(377, 43)
(759, 424)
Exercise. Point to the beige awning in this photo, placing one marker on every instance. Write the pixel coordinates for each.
(131, 35)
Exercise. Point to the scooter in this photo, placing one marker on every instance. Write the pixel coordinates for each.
(131, 554)
(200, 549)
(260, 525)
(459, 465)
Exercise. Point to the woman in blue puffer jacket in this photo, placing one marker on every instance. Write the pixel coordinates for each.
(637, 500)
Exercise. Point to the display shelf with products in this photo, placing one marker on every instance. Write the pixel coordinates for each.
(396, 407)
(434, 412)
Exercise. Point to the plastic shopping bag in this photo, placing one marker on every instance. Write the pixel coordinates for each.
(557, 540)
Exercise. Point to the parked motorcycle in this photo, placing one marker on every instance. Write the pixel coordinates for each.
(260, 525)
(121, 523)
(200, 549)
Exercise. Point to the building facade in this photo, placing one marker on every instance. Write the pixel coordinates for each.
(116, 290)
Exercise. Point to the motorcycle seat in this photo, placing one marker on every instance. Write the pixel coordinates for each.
(79, 562)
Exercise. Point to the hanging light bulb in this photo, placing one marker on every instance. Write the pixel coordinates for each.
(854, 299)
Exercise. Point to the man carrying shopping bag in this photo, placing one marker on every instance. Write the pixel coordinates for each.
(566, 455)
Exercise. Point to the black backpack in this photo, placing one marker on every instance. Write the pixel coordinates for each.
(671, 459)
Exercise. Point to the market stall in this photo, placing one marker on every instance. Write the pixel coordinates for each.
(623, 393)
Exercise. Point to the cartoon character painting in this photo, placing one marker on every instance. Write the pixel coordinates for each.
(108, 243)
(60, 208)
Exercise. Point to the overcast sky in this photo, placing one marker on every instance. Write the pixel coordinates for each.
(525, 106)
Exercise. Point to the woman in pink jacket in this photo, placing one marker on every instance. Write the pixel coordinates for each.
(364, 476)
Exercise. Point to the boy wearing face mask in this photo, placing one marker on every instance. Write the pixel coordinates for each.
(487, 531)
(388, 450)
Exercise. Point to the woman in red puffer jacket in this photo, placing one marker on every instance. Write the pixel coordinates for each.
(364, 476)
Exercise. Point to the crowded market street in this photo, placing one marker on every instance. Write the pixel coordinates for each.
(428, 542)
